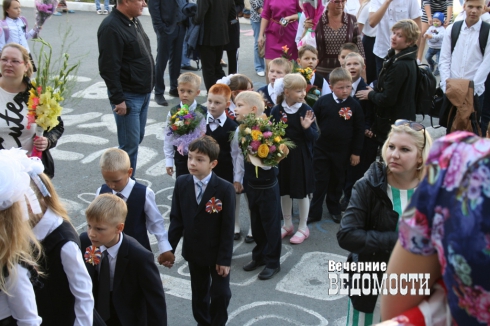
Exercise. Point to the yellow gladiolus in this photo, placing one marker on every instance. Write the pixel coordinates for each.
(263, 151)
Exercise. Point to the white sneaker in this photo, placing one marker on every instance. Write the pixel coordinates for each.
(99, 12)
(106, 12)
(261, 73)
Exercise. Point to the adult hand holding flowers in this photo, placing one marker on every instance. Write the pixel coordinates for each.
(307, 120)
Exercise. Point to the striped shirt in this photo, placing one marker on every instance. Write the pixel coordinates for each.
(400, 198)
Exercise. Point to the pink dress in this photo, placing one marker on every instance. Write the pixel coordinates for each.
(276, 35)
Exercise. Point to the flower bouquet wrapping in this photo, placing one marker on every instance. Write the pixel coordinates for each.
(312, 9)
(183, 127)
(262, 142)
(47, 92)
(44, 10)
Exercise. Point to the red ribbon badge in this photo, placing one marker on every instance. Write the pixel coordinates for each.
(92, 255)
(214, 206)
(345, 113)
(284, 117)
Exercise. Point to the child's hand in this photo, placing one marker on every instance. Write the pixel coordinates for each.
(238, 187)
(429, 36)
(166, 259)
(368, 133)
(222, 270)
(308, 119)
(170, 170)
(354, 160)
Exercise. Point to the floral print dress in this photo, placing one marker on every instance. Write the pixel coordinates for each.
(450, 215)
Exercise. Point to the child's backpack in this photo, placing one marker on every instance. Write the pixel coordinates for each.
(6, 30)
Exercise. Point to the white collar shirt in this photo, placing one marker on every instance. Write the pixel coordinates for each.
(337, 99)
(354, 87)
(204, 182)
(291, 109)
(112, 252)
(325, 88)
(214, 125)
(272, 94)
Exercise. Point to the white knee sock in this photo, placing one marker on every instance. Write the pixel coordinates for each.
(304, 207)
(237, 213)
(249, 218)
(286, 206)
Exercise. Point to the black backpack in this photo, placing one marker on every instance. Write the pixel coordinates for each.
(426, 89)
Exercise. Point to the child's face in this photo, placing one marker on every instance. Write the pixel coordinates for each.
(117, 180)
(104, 233)
(308, 60)
(342, 89)
(243, 109)
(14, 10)
(342, 56)
(217, 104)
(199, 164)
(187, 93)
(399, 41)
(354, 67)
(295, 95)
(436, 22)
(276, 72)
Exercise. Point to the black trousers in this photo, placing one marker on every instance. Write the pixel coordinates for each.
(329, 180)
(169, 50)
(368, 44)
(211, 295)
(265, 216)
(181, 167)
(354, 173)
(232, 61)
(379, 65)
(211, 67)
(485, 113)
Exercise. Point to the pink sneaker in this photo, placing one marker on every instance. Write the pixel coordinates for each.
(300, 236)
(285, 232)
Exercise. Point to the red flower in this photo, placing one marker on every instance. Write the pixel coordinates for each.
(284, 117)
(345, 113)
(174, 127)
(214, 206)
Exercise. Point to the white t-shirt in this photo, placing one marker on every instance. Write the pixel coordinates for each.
(397, 10)
(352, 7)
(13, 123)
(364, 19)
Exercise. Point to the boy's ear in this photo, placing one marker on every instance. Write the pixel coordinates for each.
(228, 104)
(254, 109)
(120, 227)
(198, 92)
(213, 164)
(130, 172)
(298, 60)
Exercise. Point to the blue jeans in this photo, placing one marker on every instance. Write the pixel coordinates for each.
(429, 57)
(185, 60)
(106, 5)
(258, 61)
(131, 127)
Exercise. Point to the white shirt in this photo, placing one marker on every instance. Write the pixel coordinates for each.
(21, 303)
(337, 99)
(112, 257)
(397, 10)
(79, 280)
(232, 107)
(204, 182)
(325, 88)
(237, 158)
(214, 125)
(466, 60)
(168, 148)
(364, 19)
(272, 94)
(9, 125)
(354, 86)
(291, 109)
(17, 33)
(154, 220)
(352, 7)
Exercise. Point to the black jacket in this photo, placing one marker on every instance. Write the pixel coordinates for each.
(394, 94)
(53, 135)
(368, 227)
(215, 17)
(125, 60)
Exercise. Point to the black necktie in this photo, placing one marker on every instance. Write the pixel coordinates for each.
(340, 101)
(213, 120)
(103, 303)
(118, 194)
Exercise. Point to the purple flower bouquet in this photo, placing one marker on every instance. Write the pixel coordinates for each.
(44, 10)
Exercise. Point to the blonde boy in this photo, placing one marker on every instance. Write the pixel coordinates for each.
(278, 68)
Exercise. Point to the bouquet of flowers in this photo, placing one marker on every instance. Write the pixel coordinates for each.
(44, 10)
(262, 142)
(312, 9)
(285, 53)
(47, 92)
(312, 92)
(185, 126)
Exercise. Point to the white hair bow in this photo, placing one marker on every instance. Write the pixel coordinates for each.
(279, 86)
(225, 80)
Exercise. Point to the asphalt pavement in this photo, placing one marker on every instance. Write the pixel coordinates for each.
(298, 295)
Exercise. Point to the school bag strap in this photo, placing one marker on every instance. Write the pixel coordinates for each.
(482, 37)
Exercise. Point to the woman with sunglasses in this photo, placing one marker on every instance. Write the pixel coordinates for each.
(369, 226)
(15, 130)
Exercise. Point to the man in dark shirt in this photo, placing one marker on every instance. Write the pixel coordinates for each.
(127, 67)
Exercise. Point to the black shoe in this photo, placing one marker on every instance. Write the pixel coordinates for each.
(268, 273)
(191, 68)
(343, 205)
(160, 99)
(249, 239)
(237, 236)
(312, 220)
(336, 217)
(253, 265)
(173, 92)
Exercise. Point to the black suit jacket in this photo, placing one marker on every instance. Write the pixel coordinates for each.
(216, 17)
(165, 14)
(367, 106)
(137, 292)
(208, 237)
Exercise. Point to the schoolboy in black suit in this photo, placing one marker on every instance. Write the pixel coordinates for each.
(127, 287)
(203, 211)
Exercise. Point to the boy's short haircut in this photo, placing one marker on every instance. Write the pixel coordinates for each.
(305, 48)
(355, 55)
(107, 208)
(339, 74)
(349, 46)
(281, 62)
(114, 159)
(206, 145)
(189, 78)
(409, 29)
(252, 99)
(221, 89)
(239, 82)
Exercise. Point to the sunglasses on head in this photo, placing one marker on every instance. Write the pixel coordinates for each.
(413, 125)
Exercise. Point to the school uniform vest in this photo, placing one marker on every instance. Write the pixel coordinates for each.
(181, 160)
(224, 169)
(264, 91)
(260, 178)
(55, 302)
(319, 79)
(135, 224)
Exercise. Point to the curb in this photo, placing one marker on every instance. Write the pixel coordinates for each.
(86, 6)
